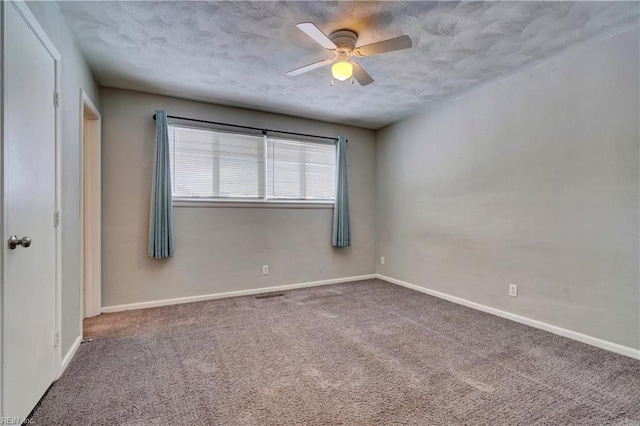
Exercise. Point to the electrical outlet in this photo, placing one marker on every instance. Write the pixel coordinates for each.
(382, 260)
(513, 290)
(265, 269)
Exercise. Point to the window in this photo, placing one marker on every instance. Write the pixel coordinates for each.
(214, 165)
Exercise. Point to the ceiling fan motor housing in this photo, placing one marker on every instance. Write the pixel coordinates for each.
(346, 41)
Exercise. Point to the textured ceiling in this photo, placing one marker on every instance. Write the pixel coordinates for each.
(236, 53)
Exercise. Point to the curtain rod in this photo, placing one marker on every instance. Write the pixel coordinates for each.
(264, 131)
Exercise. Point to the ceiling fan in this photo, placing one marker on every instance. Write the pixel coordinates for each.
(342, 46)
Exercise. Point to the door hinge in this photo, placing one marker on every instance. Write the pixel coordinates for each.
(56, 99)
(56, 339)
(56, 218)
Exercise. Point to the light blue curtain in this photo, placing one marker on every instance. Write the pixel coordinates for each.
(161, 216)
(341, 227)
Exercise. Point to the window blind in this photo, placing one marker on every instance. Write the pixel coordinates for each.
(299, 170)
(210, 164)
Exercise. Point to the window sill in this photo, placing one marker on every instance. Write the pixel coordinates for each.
(260, 204)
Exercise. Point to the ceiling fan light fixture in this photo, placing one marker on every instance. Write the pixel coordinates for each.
(342, 70)
(341, 44)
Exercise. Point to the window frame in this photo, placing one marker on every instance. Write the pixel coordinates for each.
(258, 202)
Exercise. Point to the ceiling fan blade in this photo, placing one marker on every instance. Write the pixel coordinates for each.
(314, 32)
(361, 75)
(398, 43)
(309, 67)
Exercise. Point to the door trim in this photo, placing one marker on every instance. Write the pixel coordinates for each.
(26, 14)
(91, 299)
(3, 231)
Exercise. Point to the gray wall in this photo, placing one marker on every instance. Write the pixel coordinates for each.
(75, 75)
(219, 249)
(532, 180)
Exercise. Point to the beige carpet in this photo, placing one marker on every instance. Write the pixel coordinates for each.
(364, 353)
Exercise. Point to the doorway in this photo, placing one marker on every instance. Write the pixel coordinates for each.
(90, 123)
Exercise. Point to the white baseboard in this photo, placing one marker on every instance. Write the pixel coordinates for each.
(179, 300)
(589, 340)
(70, 354)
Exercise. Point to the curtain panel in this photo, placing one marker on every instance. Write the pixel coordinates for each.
(341, 226)
(161, 214)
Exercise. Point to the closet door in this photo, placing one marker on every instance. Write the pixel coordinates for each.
(29, 247)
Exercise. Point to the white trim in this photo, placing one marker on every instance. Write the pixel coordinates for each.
(180, 300)
(589, 340)
(58, 173)
(85, 99)
(70, 354)
(30, 19)
(3, 230)
(90, 278)
(258, 203)
(265, 171)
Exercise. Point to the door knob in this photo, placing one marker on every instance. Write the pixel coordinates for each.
(14, 241)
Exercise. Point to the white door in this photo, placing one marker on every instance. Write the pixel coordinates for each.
(28, 302)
